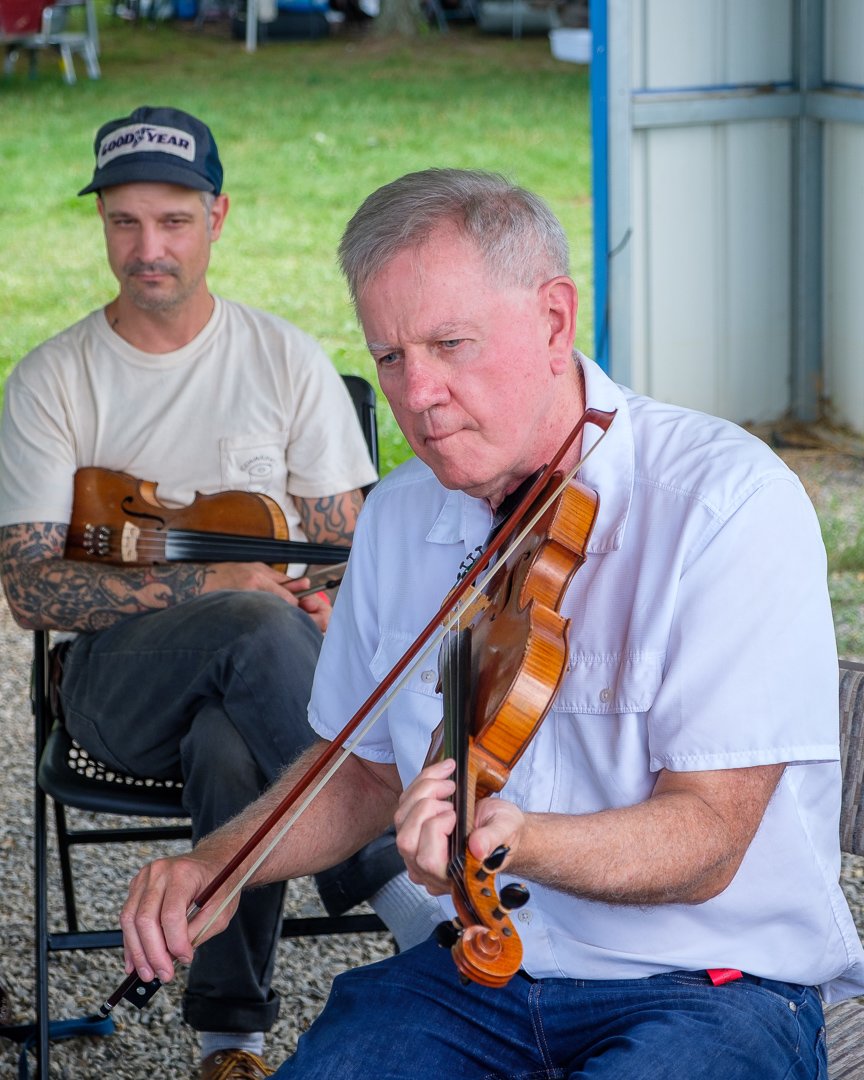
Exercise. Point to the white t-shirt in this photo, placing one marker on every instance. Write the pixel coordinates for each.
(251, 404)
(701, 638)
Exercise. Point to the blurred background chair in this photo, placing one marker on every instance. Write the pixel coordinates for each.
(33, 26)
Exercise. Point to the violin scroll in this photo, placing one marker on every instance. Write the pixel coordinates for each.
(483, 941)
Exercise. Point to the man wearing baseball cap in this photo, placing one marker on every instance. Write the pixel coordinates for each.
(199, 671)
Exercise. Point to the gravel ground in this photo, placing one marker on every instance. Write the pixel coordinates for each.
(154, 1042)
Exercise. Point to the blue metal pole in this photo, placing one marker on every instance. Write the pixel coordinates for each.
(600, 179)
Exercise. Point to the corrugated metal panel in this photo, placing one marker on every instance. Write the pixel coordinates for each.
(712, 281)
(710, 206)
(736, 166)
(844, 35)
(843, 218)
(709, 43)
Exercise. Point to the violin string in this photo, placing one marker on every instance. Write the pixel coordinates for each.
(150, 546)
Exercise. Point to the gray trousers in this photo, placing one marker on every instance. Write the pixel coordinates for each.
(215, 691)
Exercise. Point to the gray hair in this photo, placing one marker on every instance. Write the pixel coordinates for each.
(517, 234)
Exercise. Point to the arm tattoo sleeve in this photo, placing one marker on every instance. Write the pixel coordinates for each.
(46, 591)
(330, 519)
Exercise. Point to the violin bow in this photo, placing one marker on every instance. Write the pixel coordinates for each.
(133, 988)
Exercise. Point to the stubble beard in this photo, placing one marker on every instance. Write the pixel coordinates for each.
(156, 299)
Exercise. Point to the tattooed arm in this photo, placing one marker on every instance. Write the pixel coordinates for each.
(47, 592)
(331, 519)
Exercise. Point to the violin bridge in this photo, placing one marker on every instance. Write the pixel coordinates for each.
(129, 543)
(473, 603)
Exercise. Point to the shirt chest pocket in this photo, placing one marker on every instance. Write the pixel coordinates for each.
(255, 463)
(610, 684)
(592, 751)
(422, 678)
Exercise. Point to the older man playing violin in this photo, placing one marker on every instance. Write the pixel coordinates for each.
(200, 671)
(674, 819)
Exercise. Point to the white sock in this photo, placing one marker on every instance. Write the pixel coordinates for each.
(251, 1041)
(408, 911)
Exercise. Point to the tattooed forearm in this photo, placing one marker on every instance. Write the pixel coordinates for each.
(330, 520)
(46, 591)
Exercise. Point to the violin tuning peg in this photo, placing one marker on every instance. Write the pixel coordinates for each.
(496, 858)
(447, 934)
(514, 896)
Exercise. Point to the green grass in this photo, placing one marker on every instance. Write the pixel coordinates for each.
(305, 131)
(839, 517)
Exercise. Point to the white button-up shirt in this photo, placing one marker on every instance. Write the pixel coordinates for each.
(701, 638)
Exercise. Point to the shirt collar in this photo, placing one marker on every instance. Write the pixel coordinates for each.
(610, 470)
(461, 518)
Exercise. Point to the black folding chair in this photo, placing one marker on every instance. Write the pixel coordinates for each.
(67, 774)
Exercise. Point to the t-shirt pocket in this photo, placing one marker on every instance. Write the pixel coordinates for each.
(255, 463)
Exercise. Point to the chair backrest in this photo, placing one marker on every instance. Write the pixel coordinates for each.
(363, 395)
(852, 756)
(19, 18)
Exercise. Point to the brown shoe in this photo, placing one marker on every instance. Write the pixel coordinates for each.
(233, 1065)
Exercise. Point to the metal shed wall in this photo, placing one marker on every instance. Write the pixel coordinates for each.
(843, 214)
(726, 219)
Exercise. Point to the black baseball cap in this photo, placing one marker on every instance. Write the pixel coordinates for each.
(157, 145)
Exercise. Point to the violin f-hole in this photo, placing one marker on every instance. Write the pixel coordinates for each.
(126, 505)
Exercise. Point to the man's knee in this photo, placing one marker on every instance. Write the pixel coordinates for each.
(220, 775)
(253, 613)
(260, 628)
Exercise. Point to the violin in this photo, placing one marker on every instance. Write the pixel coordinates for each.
(119, 520)
(499, 676)
(485, 935)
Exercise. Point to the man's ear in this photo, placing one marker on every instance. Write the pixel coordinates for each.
(218, 213)
(560, 301)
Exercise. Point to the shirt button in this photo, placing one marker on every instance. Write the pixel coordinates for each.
(427, 676)
(524, 916)
(606, 695)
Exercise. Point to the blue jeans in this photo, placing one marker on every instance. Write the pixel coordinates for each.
(410, 1018)
(214, 691)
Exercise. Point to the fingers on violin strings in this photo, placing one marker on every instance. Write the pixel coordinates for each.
(428, 793)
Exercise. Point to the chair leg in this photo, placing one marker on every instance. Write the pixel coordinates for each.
(63, 847)
(9, 59)
(91, 60)
(40, 870)
(67, 65)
